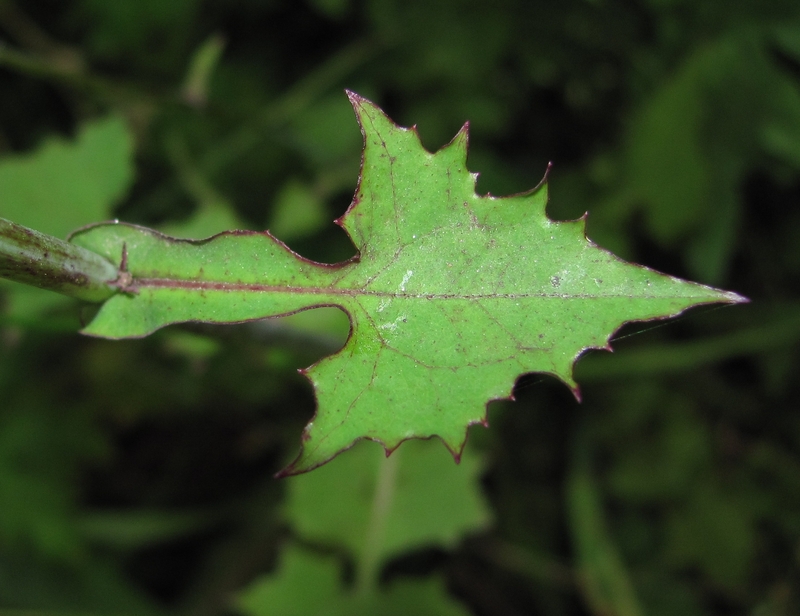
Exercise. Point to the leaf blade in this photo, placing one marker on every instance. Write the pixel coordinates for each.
(451, 298)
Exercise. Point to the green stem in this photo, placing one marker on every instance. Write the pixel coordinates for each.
(47, 262)
(291, 103)
(778, 331)
(606, 583)
(367, 568)
(69, 71)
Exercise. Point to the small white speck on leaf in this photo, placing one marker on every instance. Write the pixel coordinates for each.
(406, 278)
(393, 325)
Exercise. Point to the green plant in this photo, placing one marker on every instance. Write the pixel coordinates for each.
(449, 293)
(137, 477)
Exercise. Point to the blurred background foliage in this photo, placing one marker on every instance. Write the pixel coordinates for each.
(136, 476)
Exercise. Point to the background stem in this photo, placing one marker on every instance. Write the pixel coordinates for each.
(367, 572)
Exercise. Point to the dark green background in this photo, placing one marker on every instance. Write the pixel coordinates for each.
(135, 476)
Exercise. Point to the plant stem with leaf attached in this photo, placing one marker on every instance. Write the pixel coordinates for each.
(47, 262)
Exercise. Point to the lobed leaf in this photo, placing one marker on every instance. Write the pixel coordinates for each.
(451, 297)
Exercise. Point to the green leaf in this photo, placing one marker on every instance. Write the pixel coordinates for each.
(451, 297)
(37, 490)
(688, 151)
(298, 211)
(607, 586)
(64, 185)
(288, 593)
(373, 508)
(283, 593)
(421, 500)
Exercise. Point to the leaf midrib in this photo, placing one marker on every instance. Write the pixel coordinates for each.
(209, 285)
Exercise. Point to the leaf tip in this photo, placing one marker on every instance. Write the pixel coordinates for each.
(546, 175)
(734, 298)
(460, 144)
(364, 107)
(283, 473)
(719, 296)
(297, 467)
(542, 183)
(355, 98)
(462, 136)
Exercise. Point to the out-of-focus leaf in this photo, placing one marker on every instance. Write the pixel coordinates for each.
(309, 585)
(191, 345)
(429, 501)
(36, 489)
(322, 133)
(724, 109)
(289, 591)
(298, 212)
(57, 188)
(64, 185)
(606, 585)
(33, 309)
